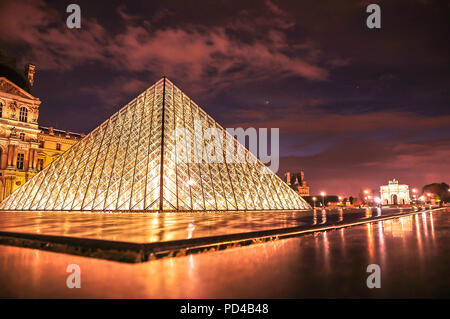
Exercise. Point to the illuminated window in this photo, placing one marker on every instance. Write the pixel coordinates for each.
(58, 146)
(40, 164)
(23, 116)
(20, 160)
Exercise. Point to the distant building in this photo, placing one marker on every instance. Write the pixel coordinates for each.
(394, 193)
(297, 182)
(25, 147)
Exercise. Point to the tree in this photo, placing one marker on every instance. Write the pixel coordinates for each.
(440, 190)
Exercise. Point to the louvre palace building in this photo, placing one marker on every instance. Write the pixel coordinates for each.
(25, 147)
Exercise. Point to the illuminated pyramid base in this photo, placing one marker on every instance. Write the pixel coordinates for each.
(130, 164)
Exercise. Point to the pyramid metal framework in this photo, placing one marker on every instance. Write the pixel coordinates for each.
(129, 163)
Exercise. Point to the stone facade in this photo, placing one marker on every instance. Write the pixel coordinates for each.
(54, 142)
(297, 182)
(25, 148)
(394, 193)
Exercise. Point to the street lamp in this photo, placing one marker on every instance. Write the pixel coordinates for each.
(323, 198)
(366, 197)
(369, 200)
(314, 200)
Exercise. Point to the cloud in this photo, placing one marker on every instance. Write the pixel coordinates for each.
(343, 153)
(354, 164)
(113, 93)
(191, 54)
(52, 45)
(293, 120)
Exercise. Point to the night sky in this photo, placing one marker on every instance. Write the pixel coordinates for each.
(355, 106)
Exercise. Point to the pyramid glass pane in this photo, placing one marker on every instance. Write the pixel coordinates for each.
(137, 161)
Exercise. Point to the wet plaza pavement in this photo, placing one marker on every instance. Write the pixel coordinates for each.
(153, 227)
(412, 251)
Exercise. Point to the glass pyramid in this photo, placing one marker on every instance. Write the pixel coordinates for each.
(130, 163)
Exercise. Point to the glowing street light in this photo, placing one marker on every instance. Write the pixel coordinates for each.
(314, 200)
(323, 198)
(414, 190)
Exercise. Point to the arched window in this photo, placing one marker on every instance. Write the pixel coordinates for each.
(23, 114)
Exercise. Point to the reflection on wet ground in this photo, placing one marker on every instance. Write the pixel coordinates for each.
(152, 227)
(413, 253)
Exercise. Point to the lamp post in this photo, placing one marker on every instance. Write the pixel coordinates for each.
(323, 198)
(314, 201)
(366, 193)
(414, 195)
